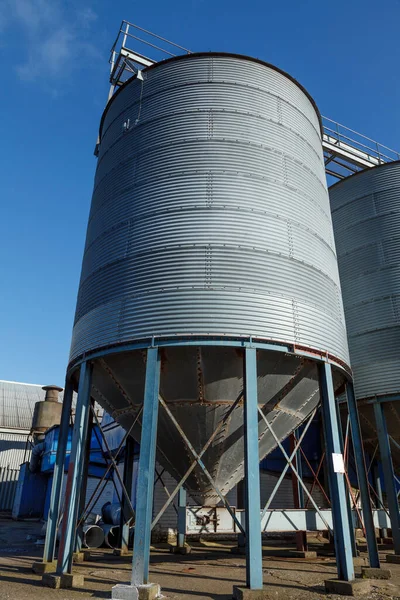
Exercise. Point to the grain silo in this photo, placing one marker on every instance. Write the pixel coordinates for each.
(366, 218)
(209, 307)
(210, 218)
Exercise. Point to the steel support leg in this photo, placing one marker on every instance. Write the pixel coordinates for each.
(75, 470)
(83, 488)
(127, 481)
(181, 518)
(58, 475)
(362, 477)
(147, 460)
(254, 575)
(388, 474)
(343, 550)
(348, 496)
(378, 489)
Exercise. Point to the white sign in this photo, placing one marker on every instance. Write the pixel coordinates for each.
(338, 462)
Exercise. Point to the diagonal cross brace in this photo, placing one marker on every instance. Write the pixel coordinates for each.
(109, 467)
(282, 475)
(294, 470)
(197, 460)
(127, 496)
(166, 490)
(316, 480)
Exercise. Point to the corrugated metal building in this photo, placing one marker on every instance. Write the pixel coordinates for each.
(17, 403)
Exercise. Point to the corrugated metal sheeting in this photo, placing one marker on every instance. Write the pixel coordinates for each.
(210, 213)
(366, 218)
(8, 487)
(13, 450)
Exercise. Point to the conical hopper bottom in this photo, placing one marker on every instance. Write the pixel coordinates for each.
(199, 385)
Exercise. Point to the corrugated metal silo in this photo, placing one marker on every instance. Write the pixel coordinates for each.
(366, 218)
(210, 219)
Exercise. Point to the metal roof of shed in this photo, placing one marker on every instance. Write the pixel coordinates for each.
(17, 403)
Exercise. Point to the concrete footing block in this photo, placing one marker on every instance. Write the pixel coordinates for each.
(44, 567)
(375, 573)
(78, 557)
(149, 591)
(67, 580)
(393, 558)
(244, 593)
(186, 549)
(72, 580)
(51, 580)
(357, 587)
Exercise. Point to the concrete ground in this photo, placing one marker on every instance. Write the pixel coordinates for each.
(209, 572)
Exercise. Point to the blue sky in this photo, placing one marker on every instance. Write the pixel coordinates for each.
(54, 67)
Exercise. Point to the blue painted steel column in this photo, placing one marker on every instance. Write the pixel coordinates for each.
(343, 550)
(147, 460)
(388, 474)
(84, 478)
(348, 497)
(254, 575)
(58, 475)
(376, 476)
(362, 477)
(181, 517)
(127, 481)
(75, 470)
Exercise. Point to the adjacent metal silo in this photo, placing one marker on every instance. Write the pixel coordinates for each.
(210, 229)
(366, 219)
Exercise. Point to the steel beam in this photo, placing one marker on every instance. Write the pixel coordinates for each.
(254, 574)
(181, 518)
(75, 471)
(362, 477)
(147, 461)
(58, 475)
(126, 514)
(230, 342)
(275, 520)
(343, 550)
(388, 474)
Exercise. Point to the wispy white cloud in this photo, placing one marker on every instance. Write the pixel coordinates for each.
(53, 36)
(34, 14)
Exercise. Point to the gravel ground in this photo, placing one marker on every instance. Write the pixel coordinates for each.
(209, 572)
